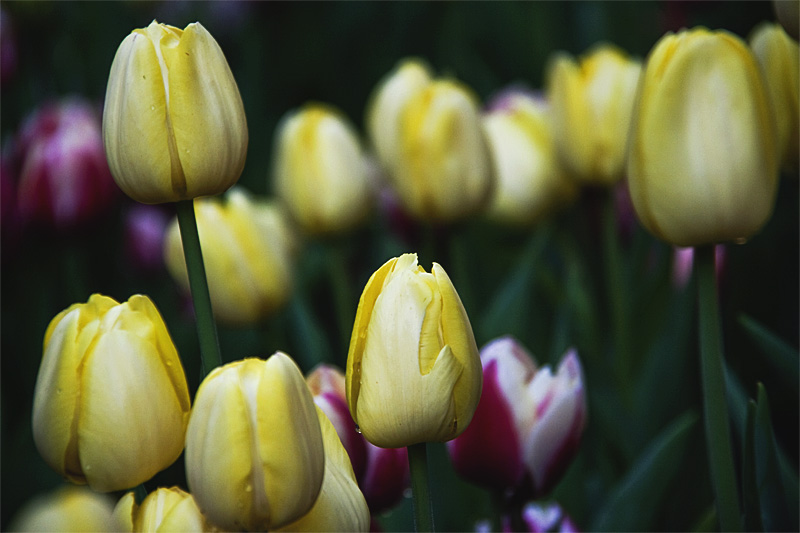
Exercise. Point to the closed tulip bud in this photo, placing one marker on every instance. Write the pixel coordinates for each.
(528, 423)
(254, 449)
(413, 370)
(247, 250)
(779, 57)
(531, 183)
(66, 509)
(64, 179)
(592, 100)
(382, 473)
(320, 170)
(173, 124)
(163, 510)
(111, 402)
(340, 505)
(387, 103)
(703, 155)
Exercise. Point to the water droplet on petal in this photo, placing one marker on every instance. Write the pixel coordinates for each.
(358, 429)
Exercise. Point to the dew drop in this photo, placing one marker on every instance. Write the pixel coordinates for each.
(248, 488)
(407, 492)
(740, 240)
(152, 108)
(358, 429)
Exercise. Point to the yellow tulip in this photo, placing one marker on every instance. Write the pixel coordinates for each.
(173, 125)
(66, 509)
(386, 104)
(247, 250)
(703, 157)
(165, 509)
(340, 506)
(591, 102)
(254, 450)
(413, 369)
(531, 182)
(111, 401)
(779, 57)
(320, 171)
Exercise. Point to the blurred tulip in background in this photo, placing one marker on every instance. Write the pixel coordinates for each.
(145, 229)
(703, 155)
(111, 401)
(66, 509)
(163, 510)
(173, 125)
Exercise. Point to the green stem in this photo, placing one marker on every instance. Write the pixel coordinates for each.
(420, 486)
(210, 357)
(342, 295)
(715, 409)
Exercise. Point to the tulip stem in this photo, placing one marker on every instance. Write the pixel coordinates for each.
(715, 409)
(210, 357)
(420, 486)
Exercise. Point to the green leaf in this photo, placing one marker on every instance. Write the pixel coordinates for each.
(780, 355)
(752, 506)
(633, 503)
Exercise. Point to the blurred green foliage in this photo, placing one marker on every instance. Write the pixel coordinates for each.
(642, 463)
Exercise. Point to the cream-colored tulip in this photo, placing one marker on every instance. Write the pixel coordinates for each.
(413, 369)
(531, 182)
(779, 57)
(703, 156)
(387, 103)
(320, 169)
(111, 402)
(254, 449)
(173, 125)
(591, 102)
(163, 510)
(65, 510)
(341, 505)
(248, 247)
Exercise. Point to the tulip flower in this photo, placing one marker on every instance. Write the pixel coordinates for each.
(531, 183)
(248, 247)
(320, 170)
(591, 102)
(387, 103)
(382, 473)
(528, 424)
(173, 125)
(64, 179)
(703, 155)
(111, 402)
(341, 505)
(254, 449)
(413, 370)
(443, 170)
(145, 229)
(66, 509)
(541, 518)
(779, 57)
(163, 510)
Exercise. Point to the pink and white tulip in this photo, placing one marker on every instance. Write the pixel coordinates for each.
(528, 424)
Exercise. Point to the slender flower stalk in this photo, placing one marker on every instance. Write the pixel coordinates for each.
(198, 283)
(420, 486)
(715, 409)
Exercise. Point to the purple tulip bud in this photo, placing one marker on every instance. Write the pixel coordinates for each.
(528, 423)
(145, 227)
(542, 518)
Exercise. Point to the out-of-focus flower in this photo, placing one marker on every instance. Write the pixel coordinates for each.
(779, 57)
(382, 473)
(8, 49)
(542, 518)
(531, 183)
(320, 170)
(111, 402)
(248, 246)
(386, 105)
(591, 102)
(63, 175)
(528, 424)
(145, 229)
(163, 510)
(788, 13)
(66, 509)
(413, 370)
(254, 449)
(173, 124)
(683, 263)
(341, 505)
(703, 157)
